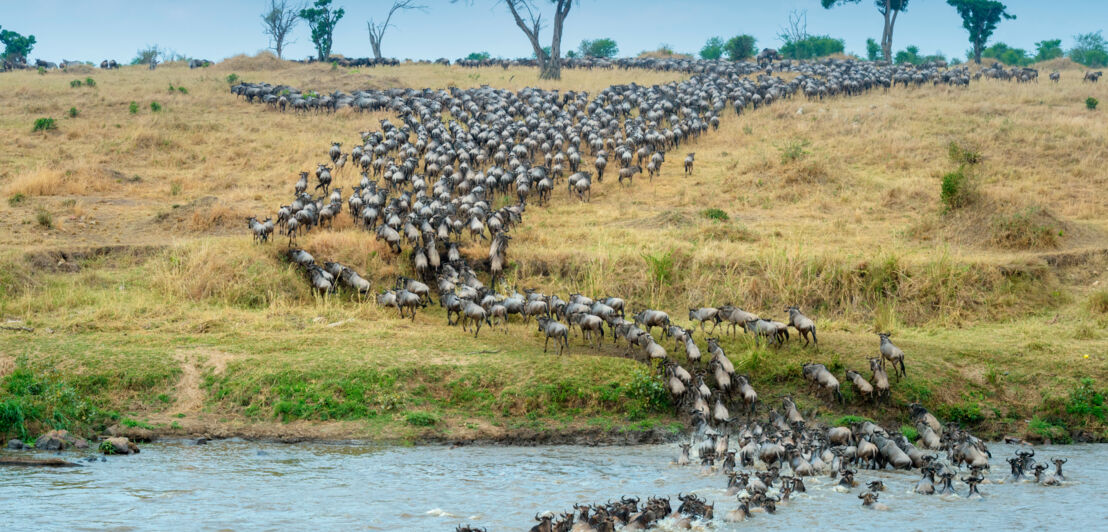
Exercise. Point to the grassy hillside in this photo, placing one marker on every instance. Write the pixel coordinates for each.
(123, 246)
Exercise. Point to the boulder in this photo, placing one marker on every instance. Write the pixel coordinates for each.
(16, 445)
(57, 440)
(118, 445)
(135, 434)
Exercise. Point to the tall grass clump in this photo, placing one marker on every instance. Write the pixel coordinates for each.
(963, 155)
(233, 275)
(75, 84)
(1098, 302)
(133, 108)
(89, 82)
(32, 403)
(1091, 103)
(44, 218)
(155, 106)
(716, 214)
(73, 112)
(793, 151)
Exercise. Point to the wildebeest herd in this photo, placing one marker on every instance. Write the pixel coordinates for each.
(427, 183)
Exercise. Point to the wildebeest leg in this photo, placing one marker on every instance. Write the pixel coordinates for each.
(545, 344)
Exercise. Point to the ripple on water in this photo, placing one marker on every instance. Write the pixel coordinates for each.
(241, 485)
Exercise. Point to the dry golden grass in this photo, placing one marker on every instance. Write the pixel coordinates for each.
(852, 230)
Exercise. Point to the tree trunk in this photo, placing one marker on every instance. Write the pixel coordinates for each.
(376, 49)
(892, 26)
(977, 53)
(278, 48)
(553, 67)
(886, 36)
(532, 35)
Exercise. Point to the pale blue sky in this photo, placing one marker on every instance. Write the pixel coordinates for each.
(215, 29)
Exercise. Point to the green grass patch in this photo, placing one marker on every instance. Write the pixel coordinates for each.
(716, 214)
(421, 419)
(128, 422)
(32, 403)
(846, 421)
(909, 432)
(1052, 430)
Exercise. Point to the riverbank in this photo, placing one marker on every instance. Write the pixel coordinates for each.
(126, 256)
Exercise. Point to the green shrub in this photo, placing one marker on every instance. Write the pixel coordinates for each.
(42, 71)
(155, 106)
(232, 78)
(847, 421)
(73, 112)
(74, 84)
(966, 413)
(962, 155)
(812, 47)
(661, 267)
(172, 88)
(909, 432)
(16, 199)
(1091, 103)
(133, 108)
(421, 419)
(174, 189)
(44, 218)
(128, 422)
(716, 214)
(89, 82)
(1085, 401)
(43, 124)
(646, 394)
(31, 403)
(957, 191)
(1054, 430)
(182, 90)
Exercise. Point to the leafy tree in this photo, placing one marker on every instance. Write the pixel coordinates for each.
(873, 50)
(377, 31)
(713, 49)
(980, 18)
(889, 9)
(478, 56)
(1090, 50)
(321, 19)
(739, 47)
(812, 47)
(908, 55)
(605, 48)
(1007, 55)
(16, 46)
(146, 55)
(278, 21)
(1047, 50)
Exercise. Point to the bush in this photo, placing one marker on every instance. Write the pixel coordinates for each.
(713, 49)
(421, 419)
(1052, 430)
(661, 267)
(182, 90)
(73, 112)
(44, 218)
(962, 154)
(1091, 103)
(478, 56)
(155, 106)
(740, 47)
(813, 47)
(16, 199)
(42, 71)
(31, 403)
(232, 78)
(957, 190)
(909, 432)
(43, 124)
(74, 84)
(606, 48)
(1085, 401)
(847, 421)
(716, 214)
(89, 82)
(133, 108)
(647, 395)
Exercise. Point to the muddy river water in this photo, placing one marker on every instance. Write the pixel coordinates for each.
(237, 485)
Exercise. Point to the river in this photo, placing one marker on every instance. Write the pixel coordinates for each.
(238, 485)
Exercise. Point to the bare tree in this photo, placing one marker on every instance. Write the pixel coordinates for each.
(377, 31)
(797, 27)
(279, 20)
(550, 60)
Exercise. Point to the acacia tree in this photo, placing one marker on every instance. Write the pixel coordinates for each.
(16, 47)
(278, 21)
(550, 63)
(321, 19)
(888, 9)
(377, 31)
(980, 18)
(605, 48)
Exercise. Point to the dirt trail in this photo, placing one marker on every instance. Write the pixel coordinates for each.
(190, 396)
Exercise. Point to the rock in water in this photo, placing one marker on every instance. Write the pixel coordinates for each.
(57, 440)
(118, 445)
(16, 445)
